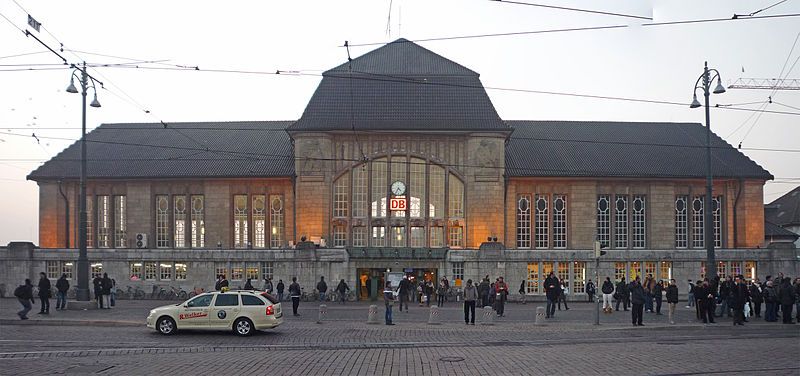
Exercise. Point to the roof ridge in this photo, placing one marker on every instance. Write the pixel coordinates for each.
(400, 41)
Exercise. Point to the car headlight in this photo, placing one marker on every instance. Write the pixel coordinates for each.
(152, 312)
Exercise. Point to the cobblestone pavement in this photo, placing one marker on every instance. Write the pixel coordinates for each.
(568, 345)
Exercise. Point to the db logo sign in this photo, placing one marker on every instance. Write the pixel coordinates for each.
(397, 203)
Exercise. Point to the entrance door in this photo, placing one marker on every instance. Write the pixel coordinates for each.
(370, 283)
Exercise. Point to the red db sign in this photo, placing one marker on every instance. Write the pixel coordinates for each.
(397, 203)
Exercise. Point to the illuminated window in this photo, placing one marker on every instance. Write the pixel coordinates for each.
(456, 236)
(89, 222)
(524, 221)
(359, 236)
(198, 222)
(722, 269)
(603, 220)
(221, 269)
(619, 271)
(697, 222)
(542, 225)
(259, 221)
(267, 269)
(179, 213)
(681, 223)
(621, 222)
(378, 236)
(96, 269)
(52, 269)
(67, 268)
(180, 271)
(237, 271)
(398, 236)
(458, 271)
(638, 222)
(579, 277)
(135, 271)
(650, 269)
(240, 221)
(120, 222)
(547, 268)
(162, 221)
(103, 222)
(736, 268)
(417, 237)
(717, 217)
(532, 282)
(437, 237)
(559, 221)
(251, 271)
(666, 271)
(166, 271)
(360, 175)
(339, 236)
(750, 270)
(563, 273)
(150, 271)
(341, 190)
(635, 270)
(379, 187)
(276, 221)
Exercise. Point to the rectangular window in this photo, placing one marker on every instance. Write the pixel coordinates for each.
(339, 236)
(635, 270)
(456, 236)
(96, 269)
(532, 282)
(251, 271)
(437, 237)
(135, 271)
(198, 222)
(621, 221)
(736, 268)
(221, 269)
(90, 221)
(259, 221)
(378, 236)
(722, 269)
(52, 268)
(276, 221)
(650, 268)
(436, 182)
(547, 268)
(563, 273)
(341, 190)
(524, 221)
(639, 222)
(417, 237)
(559, 221)
(455, 191)
(359, 236)
(150, 271)
(240, 221)
(360, 191)
(619, 271)
(666, 272)
(399, 174)
(398, 236)
(103, 222)
(180, 271)
(67, 268)
(750, 270)
(681, 222)
(120, 222)
(697, 223)
(162, 221)
(542, 222)
(237, 271)
(179, 214)
(717, 217)
(458, 272)
(379, 186)
(579, 277)
(417, 188)
(166, 271)
(603, 220)
(267, 269)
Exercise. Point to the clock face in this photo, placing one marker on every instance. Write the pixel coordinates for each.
(398, 188)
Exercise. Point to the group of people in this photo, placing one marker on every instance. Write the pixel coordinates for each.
(740, 299)
(103, 293)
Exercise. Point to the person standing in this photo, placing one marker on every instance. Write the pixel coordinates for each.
(502, 295)
(402, 292)
(97, 283)
(672, 300)
(551, 290)
(608, 290)
(756, 297)
(294, 292)
(725, 297)
(342, 288)
(470, 296)
(797, 298)
(707, 294)
(248, 285)
(591, 290)
(658, 294)
(388, 300)
(279, 289)
(224, 284)
(107, 286)
(268, 287)
(562, 297)
(623, 295)
(638, 298)
(428, 290)
(322, 287)
(218, 283)
(690, 298)
(441, 292)
(483, 292)
(649, 285)
(770, 299)
(737, 300)
(44, 293)
(113, 292)
(786, 298)
(62, 285)
(24, 294)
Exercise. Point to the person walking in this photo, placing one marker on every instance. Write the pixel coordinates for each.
(502, 294)
(786, 299)
(562, 297)
(591, 290)
(388, 300)
(552, 290)
(470, 296)
(756, 297)
(623, 295)
(441, 291)
(322, 287)
(107, 286)
(268, 287)
(483, 291)
(113, 292)
(24, 294)
(342, 288)
(608, 291)
(658, 294)
(97, 284)
(62, 285)
(403, 291)
(294, 292)
(279, 289)
(638, 298)
(690, 298)
(672, 300)
(737, 300)
(522, 291)
(44, 293)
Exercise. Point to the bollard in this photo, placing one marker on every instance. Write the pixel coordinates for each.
(372, 317)
(433, 318)
(488, 316)
(539, 316)
(323, 311)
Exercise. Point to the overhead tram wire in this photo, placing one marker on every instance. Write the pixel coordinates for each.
(573, 9)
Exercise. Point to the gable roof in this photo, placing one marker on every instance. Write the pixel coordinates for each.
(181, 150)
(785, 210)
(772, 230)
(400, 87)
(621, 149)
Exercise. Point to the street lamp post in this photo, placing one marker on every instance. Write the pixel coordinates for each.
(82, 293)
(704, 82)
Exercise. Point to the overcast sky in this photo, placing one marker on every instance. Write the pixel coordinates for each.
(643, 62)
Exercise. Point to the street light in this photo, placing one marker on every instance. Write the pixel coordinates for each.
(704, 82)
(82, 293)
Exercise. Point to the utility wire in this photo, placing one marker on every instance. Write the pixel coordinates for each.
(22, 54)
(573, 9)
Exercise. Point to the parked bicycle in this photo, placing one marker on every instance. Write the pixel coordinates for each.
(196, 291)
(134, 293)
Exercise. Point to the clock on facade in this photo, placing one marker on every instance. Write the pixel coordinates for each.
(398, 188)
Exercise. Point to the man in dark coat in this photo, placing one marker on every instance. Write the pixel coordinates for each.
(62, 285)
(786, 299)
(322, 287)
(44, 293)
(756, 297)
(737, 299)
(707, 295)
(483, 291)
(279, 289)
(24, 294)
(295, 292)
(97, 284)
(107, 286)
(638, 298)
(342, 288)
(672, 300)
(623, 295)
(402, 292)
(552, 289)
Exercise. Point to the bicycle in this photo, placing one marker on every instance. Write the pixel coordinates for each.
(136, 293)
(120, 294)
(196, 291)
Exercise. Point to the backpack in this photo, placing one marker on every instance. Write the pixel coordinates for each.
(18, 291)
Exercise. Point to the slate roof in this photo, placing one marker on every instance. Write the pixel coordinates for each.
(182, 150)
(400, 87)
(772, 230)
(621, 149)
(785, 210)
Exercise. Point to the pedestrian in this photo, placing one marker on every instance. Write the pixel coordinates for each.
(725, 297)
(562, 297)
(62, 285)
(97, 284)
(756, 297)
(294, 292)
(797, 298)
(421, 293)
(107, 286)
(342, 289)
(771, 300)
(322, 287)
(268, 287)
(218, 283)
(441, 291)
(658, 294)
(699, 298)
(428, 291)
(483, 291)
(248, 285)
(44, 293)
(649, 285)
(388, 300)
(672, 300)
(551, 290)
(402, 292)
(279, 289)
(786, 299)
(706, 303)
(24, 294)
(493, 295)
(502, 294)
(113, 292)
(522, 291)
(737, 300)
(690, 297)
(638, 298)
(224, 285)
(608, 290)
(470, 296)
(622, 294)
(591, 290)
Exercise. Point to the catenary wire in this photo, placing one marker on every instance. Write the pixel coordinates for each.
(573, 9)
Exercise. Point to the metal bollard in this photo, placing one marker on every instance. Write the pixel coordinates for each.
(372, 317)
(433, 318)
(323, 311)
(488, 316)
(539, 316)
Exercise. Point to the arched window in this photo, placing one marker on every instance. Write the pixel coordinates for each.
(431, 214)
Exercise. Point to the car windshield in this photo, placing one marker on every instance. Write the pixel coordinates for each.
(269, 297)
(200, 301)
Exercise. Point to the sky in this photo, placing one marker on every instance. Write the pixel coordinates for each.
(659, 63)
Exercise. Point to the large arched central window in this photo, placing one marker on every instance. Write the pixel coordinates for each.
(432, 218)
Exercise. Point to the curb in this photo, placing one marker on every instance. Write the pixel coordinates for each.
(71, 322)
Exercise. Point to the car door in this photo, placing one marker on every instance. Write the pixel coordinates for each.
(194, 313)
(225, 309)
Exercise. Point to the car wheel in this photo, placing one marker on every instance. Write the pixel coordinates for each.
(166, 325)
(243, 327)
